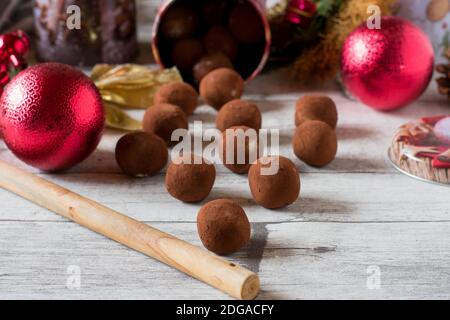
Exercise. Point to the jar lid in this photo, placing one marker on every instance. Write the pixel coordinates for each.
(421, 149)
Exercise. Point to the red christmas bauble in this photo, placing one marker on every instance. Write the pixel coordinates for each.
(51, 116)
(390, 67)
(300, 12)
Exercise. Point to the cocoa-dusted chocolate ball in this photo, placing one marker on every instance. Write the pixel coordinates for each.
(223, 226)
(274, 182)
(245, 23)
(239, 147)
(179, 22)
(141, 154)
(315, 143)
(186, 53)
(219, 39)
(163, 119)
(215, 11)
(179, 94)
(239, 113)
(190, 178)
(221, 86)
(210, 62)
(316, 107)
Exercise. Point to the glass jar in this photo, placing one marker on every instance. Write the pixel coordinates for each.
(86, 32)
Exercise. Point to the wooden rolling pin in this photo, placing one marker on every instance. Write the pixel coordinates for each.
(198, 263)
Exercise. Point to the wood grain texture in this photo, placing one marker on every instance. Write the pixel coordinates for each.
(216, 271)
(339, 197)
(356, 214)
(300, 260)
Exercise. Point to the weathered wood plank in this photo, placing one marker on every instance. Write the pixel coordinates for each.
(339, 258)
(295, 260)
(325, 197)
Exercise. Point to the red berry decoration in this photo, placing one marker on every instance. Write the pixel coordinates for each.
(301, 12)
(13, 47)
(21, 43)
(4, 75)
(51, 116)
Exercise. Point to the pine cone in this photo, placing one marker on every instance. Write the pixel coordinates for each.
(444, 82)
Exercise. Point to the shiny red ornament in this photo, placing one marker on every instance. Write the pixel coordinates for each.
(52, 116)
(387, 68)
(301, 12)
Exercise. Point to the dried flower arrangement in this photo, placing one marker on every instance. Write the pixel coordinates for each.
(314, 44)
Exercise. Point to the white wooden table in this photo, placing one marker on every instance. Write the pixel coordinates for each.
(357, 219)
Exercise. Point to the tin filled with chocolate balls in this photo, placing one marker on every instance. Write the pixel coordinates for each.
(199, 35)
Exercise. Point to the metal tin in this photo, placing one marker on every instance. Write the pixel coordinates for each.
(409, 174)
(260, 7)
(421, 149)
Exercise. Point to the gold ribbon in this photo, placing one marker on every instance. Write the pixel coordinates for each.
(129, 86)
(300, 12)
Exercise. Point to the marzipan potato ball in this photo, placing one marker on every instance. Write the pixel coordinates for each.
(316, 107)
(210, 62)
(219, 39)
(186, 53)
(221, 86)
(274, 189)
(215, 11)
(245, 23)
(163, 120)
(315, 143)
(239, 113)
(223, 226)
(141, 154)
(190, 178)
(179, 94)
(239, 148)
(179, 22)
